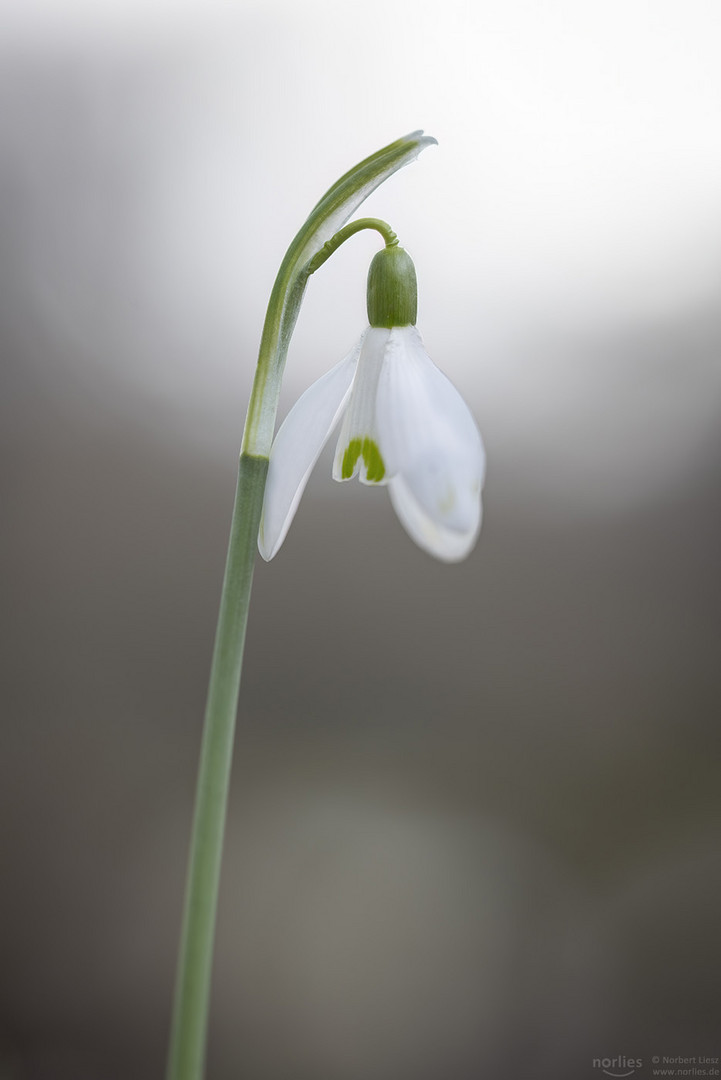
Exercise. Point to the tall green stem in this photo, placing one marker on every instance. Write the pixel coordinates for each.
(192, 993)
(188, 1034)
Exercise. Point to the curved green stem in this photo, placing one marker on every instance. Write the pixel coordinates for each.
(350, 230)
(329, 215)
(192, 991)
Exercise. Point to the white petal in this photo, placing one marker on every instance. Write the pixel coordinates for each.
(297, 447)
(358, 439)
(432, 448)
(447, 545)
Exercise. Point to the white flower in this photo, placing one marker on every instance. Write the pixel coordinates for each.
(404, 425)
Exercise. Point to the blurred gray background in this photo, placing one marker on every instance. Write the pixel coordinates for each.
(475, 809)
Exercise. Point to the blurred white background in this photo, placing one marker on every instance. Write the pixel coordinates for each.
(474, 807)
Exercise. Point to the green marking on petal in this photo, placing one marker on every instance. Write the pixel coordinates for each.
(349, 458)
(375, 466)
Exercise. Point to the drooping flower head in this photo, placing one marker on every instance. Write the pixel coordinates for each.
(403, 425)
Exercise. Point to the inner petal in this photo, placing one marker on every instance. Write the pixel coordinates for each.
(358, 452)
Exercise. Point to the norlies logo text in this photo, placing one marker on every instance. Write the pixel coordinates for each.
(618, 1066)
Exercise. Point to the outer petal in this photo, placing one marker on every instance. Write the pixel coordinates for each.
(297, 447)
(432, 449)
(445, 544)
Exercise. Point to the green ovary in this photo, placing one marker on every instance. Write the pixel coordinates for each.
(375, 467)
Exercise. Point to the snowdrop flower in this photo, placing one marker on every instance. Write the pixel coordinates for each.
(403, 425)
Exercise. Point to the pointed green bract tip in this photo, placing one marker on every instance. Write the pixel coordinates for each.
(392, 294)
(368, 448)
